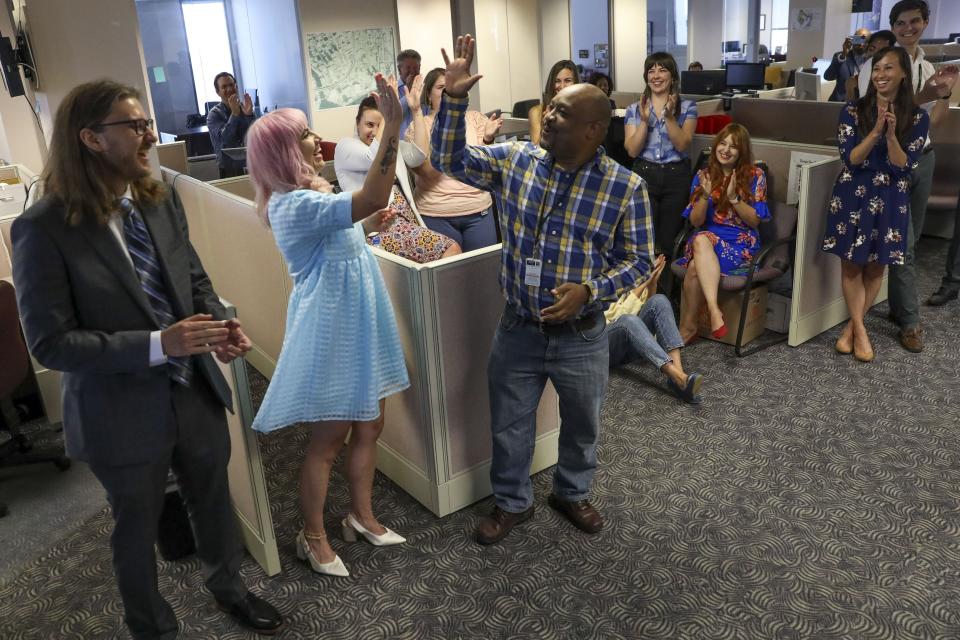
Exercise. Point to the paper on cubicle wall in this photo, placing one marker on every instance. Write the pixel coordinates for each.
(343, 63)
(797, 160)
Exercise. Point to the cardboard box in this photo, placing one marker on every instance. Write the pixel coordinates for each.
(730, 303)
(778, 313)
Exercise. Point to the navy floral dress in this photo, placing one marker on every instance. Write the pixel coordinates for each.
(734, 241)
(870, 207)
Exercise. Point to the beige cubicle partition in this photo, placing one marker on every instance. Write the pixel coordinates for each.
(173, 155)
(436, 444)
(817, 303)
(799, 121)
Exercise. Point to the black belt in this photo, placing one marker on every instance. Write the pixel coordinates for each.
(676, 164)
(585, 323)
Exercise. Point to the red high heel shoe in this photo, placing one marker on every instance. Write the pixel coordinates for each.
(721, 332)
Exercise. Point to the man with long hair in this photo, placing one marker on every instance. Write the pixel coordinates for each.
(112, 294)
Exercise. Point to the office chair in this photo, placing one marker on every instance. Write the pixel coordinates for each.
(522, 109)
(16, 371)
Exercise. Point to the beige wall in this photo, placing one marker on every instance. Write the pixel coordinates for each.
(507, 52)
(554, 37)
(705, 19)
(629, 43)
(20, 138)
(425, 26)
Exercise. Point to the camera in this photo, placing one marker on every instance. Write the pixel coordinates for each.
(858, 40)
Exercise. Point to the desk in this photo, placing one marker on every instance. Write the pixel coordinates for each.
(197, 140)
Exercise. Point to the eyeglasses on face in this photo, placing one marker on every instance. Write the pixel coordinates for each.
(139, 126)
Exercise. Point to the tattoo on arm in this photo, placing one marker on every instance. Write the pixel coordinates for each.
(389, 156)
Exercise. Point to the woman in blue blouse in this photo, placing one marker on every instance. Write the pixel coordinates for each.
(657, 131)
(728, 200)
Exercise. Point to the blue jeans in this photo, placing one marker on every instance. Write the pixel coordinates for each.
(651, 334)
(522, 359)
(472, 231)
(902, 282)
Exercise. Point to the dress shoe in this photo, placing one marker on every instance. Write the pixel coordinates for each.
(942, 296)
(719, 333)
(912, 339)
(580, 512)
(350, 527)
(495, 527)
(333, 568)
(255, 613)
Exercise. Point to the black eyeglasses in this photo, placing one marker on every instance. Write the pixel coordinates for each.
(139, 126)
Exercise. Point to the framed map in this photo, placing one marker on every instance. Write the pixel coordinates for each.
(343, 64)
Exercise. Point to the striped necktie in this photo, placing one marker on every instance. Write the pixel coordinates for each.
(144, 256)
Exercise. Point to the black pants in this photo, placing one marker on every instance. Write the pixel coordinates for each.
(951, 280)
(136, 494)
(668, 186)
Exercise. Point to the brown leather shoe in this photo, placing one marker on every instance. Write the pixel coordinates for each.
(495, 527)
(912, 339)
(580, 512)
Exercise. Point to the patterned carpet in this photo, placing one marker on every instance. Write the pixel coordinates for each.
(811, 496)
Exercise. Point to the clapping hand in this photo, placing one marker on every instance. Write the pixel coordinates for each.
(383, 219)
(234, 103)
(732, 186)
(706, 183)
(670, 107)
(387, 101)
(891, 121)
(236, 344)
(247, 107)
(458, 80)
(881, 120)
(321, 185)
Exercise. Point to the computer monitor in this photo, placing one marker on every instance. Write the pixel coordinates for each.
(745, 75)
(703, 83)
(731, 46)
(821, 66)
(806, 85)
(9, 69)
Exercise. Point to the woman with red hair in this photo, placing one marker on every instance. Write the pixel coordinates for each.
(728, 200)
(341, 352)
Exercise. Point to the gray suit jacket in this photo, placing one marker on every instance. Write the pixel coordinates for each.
(85, 314)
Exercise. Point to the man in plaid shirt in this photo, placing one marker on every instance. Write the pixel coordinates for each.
(576, 234)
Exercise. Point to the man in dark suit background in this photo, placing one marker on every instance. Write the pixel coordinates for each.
(112, 294)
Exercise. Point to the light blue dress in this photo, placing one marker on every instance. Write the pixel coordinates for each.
(341, 353)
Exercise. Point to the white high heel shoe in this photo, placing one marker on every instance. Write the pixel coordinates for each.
(351, 527)
(333, 568)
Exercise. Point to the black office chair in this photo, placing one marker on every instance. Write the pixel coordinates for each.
(522, 109)
(14, 373)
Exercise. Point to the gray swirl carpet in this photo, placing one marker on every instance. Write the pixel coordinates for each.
(811, 496)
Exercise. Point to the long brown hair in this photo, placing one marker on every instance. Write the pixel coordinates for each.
(665, 60)
(548, 91)
(902, 104)
(74, 174)
(742, 173)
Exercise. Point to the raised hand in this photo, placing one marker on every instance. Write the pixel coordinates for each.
(732, 186)
(492, 127)
(944, 80)
(387, 100)
(247, 105)
(458, 80)
(414, 92)
(881, 120)
(891, 121)
(644, 109)
(234, 103)
(847, 46)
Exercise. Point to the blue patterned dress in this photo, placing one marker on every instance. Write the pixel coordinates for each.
(734, 241)
(341, 353)
(870, 208)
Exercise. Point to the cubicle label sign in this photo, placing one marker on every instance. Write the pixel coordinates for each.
(797, 160)
(806, 19)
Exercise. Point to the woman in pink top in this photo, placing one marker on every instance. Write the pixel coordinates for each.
(447, 205)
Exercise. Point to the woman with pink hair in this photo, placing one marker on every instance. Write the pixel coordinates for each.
(341, 353)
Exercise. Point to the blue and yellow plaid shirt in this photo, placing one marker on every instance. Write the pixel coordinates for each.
(588, 227)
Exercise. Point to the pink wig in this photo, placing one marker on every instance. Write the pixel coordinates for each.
(274, 160)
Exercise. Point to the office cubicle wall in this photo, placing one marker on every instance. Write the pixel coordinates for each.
(817, 303)
(436, 444)
(798, 121)
(173, 155)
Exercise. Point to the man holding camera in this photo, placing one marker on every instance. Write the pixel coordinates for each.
(846, 63)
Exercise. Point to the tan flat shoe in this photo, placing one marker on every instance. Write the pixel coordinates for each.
(841, 347)
(864, 357)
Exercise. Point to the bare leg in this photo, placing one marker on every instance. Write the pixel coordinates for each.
(708, 271)
(872, 278)
(851, 280)
(692, 301)
(361, 464)
(674, 369)
(326, 438)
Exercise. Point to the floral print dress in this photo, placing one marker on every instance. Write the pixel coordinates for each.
(870, 207)
(734, 241)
